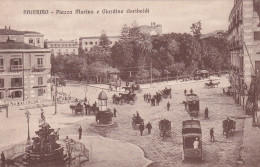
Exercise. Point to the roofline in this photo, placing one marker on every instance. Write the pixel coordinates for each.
(61, 41)
(24, 50)
(28, 34)
(98, 37)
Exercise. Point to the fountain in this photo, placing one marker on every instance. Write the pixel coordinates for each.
(44, 148)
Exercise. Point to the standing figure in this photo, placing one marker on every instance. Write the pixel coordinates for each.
(149, 127)
(185, 92)
(168, 106)
(228, 127)
(115, 112)
(212, 138)
(191, 91)
(206, 113)
(196, 144)
(141, 128)
(3, 158)
(80, 132)
(144, 96)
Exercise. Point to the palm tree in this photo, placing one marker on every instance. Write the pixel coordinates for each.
(144, 46)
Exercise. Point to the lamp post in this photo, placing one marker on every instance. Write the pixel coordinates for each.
(28, 114)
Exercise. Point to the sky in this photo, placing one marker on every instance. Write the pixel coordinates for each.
(174, 16)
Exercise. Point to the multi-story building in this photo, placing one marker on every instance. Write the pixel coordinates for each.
(63, 47)
(151, 30)
(24, 73)
(244, 35)
(216, 34)
(86, 43)
(29, 37)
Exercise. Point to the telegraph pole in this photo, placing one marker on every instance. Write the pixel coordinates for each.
(55, 100)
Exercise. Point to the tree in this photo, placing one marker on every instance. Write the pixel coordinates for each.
(196, 29)
(125, 32)
(104, 41)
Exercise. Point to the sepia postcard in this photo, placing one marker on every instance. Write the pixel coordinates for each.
(129, 83)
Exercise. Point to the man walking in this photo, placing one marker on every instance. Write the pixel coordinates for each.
(141, 128)
(115, 112)
(212, 138)
(185, 92)
(3, 158)
(80, 132)
(191, 91)
(168, 106)
(149, 127)
(206, 113)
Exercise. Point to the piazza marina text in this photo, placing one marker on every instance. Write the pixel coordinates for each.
(85, 11)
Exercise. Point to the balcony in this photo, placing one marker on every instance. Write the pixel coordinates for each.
(16, 84)
(39, 67)
(16, 67)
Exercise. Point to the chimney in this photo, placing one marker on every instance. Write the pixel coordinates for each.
(5, 27)
(60, 39)
(9, 27)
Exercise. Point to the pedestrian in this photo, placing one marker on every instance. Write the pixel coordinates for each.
(228, 127)
(149, 98)
(191, 91)
(141, 128)
(115, 112)
(80, 132)
(212, 138)
(168, 106)
(196, 144)
(3, 158)
(149, 127)
(144, 96)
(185, 92)
(206, 113)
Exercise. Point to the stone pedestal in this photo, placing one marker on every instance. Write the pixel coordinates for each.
(104, 117)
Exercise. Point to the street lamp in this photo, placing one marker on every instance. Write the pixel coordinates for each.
(28, 114)
(69, 145)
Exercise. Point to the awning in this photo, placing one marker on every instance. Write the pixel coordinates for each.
(42, 86)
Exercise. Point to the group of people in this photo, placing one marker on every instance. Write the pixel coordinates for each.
(185, 91)
(138, 120)
(154, 100)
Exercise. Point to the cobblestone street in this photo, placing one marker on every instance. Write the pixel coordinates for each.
(167, 152)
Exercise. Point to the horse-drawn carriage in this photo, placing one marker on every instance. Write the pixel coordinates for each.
(228, 91)
(165, 128)
(166, 93)
(124, 98)
(192, 104)
(192, 139)
(136, 121)
(211, 84)
(133, 88)
(229, 127)
(77, 109)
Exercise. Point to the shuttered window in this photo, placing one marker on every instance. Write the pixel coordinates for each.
(40, 92)
(2, 83)
(257, 35)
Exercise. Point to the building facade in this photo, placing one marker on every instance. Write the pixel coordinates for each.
(244, 35)
(154, 29)
(25, 73)
(86, 43)
(63, 47)
(29, 37)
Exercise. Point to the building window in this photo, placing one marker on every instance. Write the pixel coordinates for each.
(73, 50)
(40, 80)
(257, 35)
(1, 95)
(86, 43)
(1, 64)
(16, 64)
(91, 43)
(2, 83)
(30, 41)
(38, 40)
(40, 61)
(96, 43)
(86, 49)
(110, 42)
(40, 92)
(16, 82)
(16, 94)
